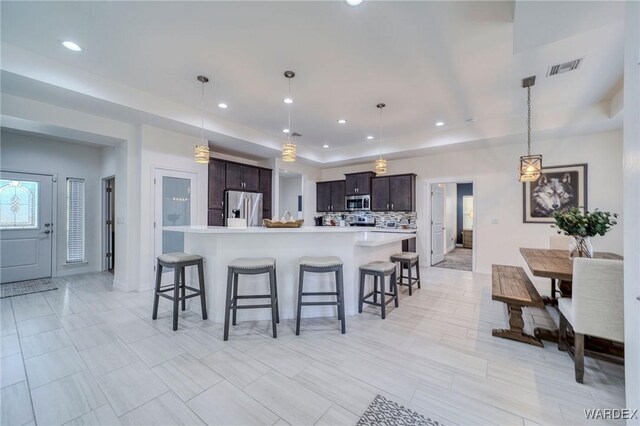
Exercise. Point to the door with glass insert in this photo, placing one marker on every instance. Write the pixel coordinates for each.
(174, 206)
(26, 229)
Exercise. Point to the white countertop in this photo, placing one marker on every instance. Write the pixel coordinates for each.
(363, 236)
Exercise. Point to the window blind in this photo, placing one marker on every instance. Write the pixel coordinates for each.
(75, 220)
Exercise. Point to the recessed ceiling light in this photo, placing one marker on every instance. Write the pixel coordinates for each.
(353, 2)
(288, 100)
(285, 130)
(72, 46)
(342, 121)
(325, 146)
(440, 123)
(369, 137)
(223, 105)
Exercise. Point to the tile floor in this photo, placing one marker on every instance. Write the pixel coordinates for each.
(86, 354)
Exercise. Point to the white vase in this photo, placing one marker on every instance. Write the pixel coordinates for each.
(580, 247)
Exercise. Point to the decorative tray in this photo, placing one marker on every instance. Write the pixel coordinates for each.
(267, 223)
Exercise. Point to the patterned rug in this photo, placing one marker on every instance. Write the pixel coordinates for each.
(383, 412)
(459, 258)
(26, 287)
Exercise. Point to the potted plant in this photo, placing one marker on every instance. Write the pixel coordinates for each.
(582, 226)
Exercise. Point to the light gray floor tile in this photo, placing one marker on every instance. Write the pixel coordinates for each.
(78, 321)
(66, 399)
(30, 306)
(186, 376)
(15, 405)
(224, 404)
(291, 401)
(197, 342)
(53, 365)
(337, 416)
(108, 357)
(131, 386)
(7, 321)
(103, 415)
(279, 358)
(11, 370)
(37, 325)
(9, 345)
(167, 409)
(41, 343)
(133, 331)
(63, 302)
(156, 349)
(88, 337)
(235, 366)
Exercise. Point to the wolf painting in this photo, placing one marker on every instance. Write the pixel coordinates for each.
(552, 194)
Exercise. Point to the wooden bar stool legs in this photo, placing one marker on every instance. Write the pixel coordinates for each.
(379, 271)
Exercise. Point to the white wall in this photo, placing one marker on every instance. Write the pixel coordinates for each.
(498, 194)
(450, 215)
(290, 189)
(632, 206)
(36, 154)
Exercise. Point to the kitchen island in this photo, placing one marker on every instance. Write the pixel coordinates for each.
(219, 245)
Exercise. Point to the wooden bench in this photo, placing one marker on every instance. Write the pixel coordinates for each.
(511, 285)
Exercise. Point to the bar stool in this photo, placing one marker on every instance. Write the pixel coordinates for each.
(245, 266)
(408, 260)
(322, 265)
(379, 270)
(179, 261)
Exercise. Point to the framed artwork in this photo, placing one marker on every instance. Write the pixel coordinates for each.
(558, 189)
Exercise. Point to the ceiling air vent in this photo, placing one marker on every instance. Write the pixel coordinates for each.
(564, 67)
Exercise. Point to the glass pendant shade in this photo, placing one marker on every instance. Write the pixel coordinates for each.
(380, 166)
(289, 152)
(202, 154)
(530, 168)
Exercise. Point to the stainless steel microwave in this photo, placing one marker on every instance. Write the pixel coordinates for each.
(358, 203)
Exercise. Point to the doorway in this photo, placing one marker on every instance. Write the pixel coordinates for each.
(109, 231)
(173, 206)
(452, 225)
(26, 226)
(290, 194)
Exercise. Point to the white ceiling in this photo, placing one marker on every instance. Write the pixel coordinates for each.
(428, 61)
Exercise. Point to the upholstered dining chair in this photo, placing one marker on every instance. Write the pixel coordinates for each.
(596, 307)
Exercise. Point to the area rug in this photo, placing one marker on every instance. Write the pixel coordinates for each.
(20, 288)
(384, 412)
(458, 258)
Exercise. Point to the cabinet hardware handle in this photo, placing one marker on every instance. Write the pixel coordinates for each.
(391, 206)
(387, 206)
(222, 215)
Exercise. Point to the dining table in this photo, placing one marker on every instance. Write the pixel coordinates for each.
(558, 266)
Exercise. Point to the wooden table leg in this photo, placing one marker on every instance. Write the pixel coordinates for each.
(516, 328)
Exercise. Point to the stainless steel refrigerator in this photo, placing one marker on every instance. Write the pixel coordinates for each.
(244, 205)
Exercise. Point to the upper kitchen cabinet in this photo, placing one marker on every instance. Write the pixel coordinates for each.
(243, 177)
(217, 183)
(393, 193)
(330, 196)
(265, 188)
(359, 183)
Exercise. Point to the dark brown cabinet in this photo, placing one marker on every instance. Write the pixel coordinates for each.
(242, 177)
(359, 183)
(216, 184)
(393, 193)
(265, 188)
(215, 217)
(330, 196)
(227, 175)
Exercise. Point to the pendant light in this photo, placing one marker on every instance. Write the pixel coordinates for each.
(530, 165)
(202, 150)
(380, 164)
(289, 148)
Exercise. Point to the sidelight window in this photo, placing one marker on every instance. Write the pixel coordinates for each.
(75, 220)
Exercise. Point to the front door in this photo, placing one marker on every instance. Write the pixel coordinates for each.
(174, 206)
(25, 226)
(437, 224)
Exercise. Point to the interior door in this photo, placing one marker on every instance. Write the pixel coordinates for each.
(174, 205)
(437, 224)
(25, 226)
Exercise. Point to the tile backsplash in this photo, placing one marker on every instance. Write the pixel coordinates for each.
(381, 218)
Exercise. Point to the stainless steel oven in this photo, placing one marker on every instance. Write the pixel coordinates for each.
(356, 203)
